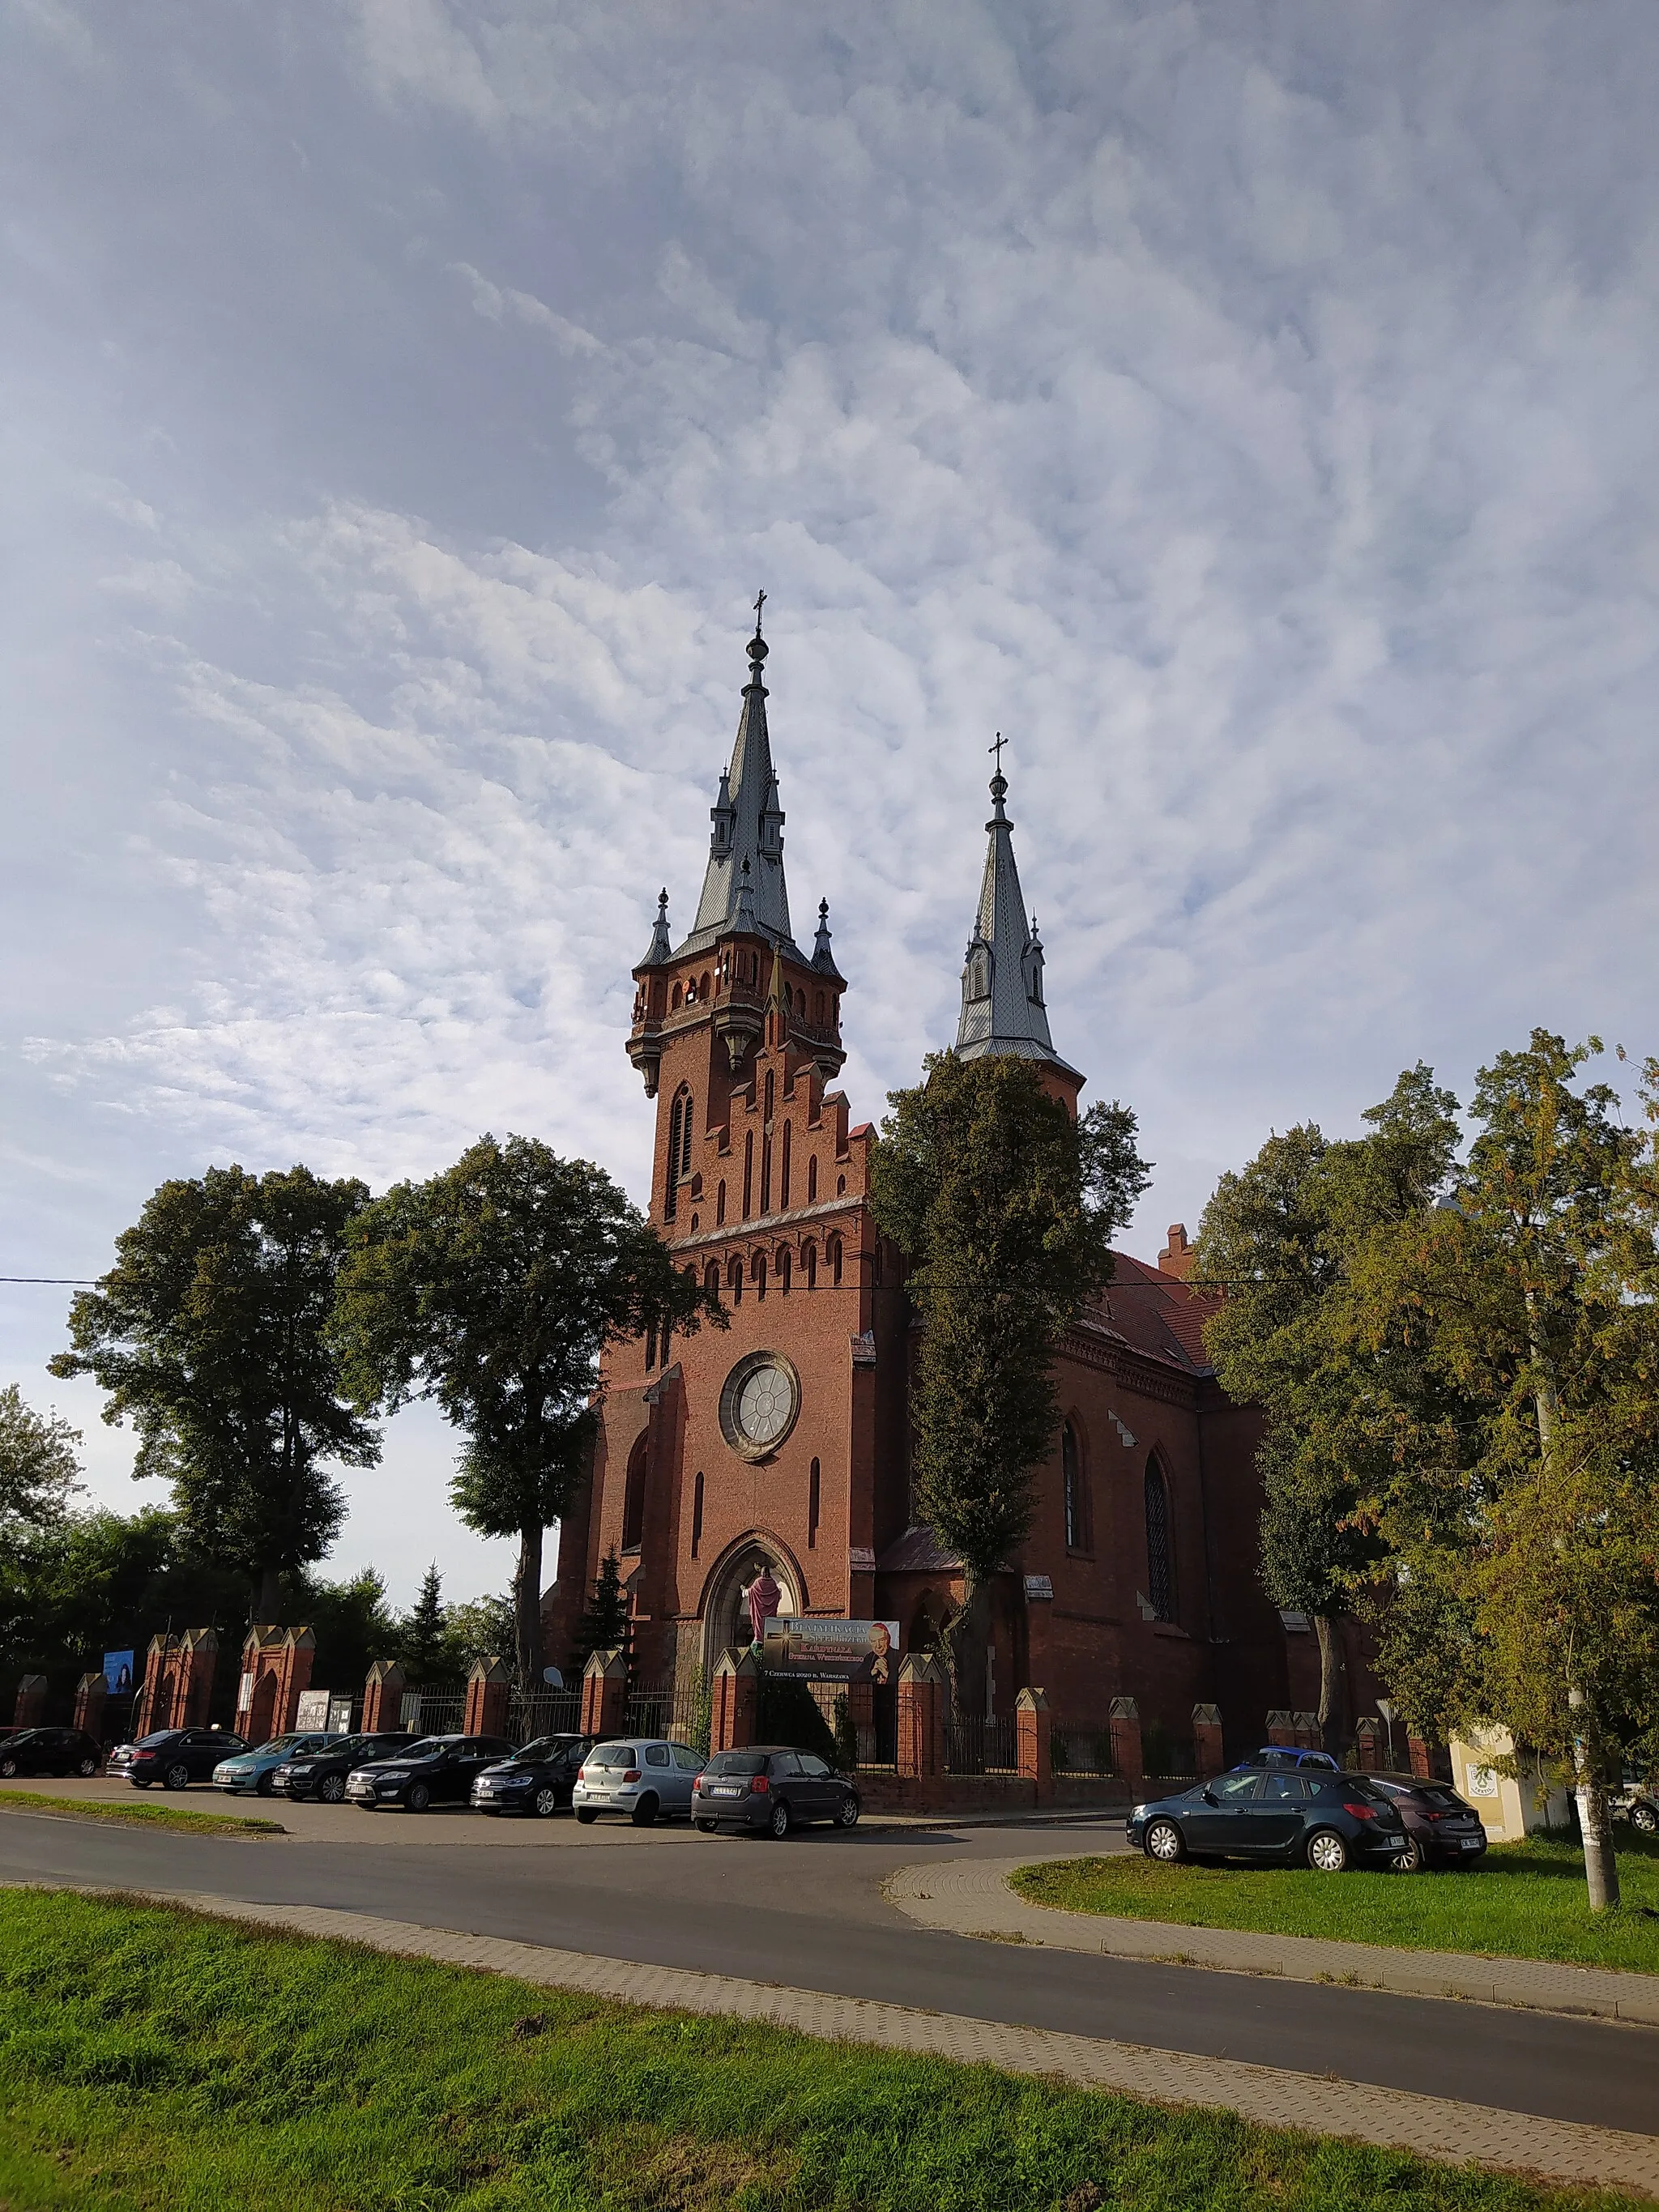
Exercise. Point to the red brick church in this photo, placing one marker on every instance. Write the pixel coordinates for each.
(784, 1440)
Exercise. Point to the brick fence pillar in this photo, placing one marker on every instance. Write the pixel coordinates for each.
(1281, 1728)
(736, 1702)
(920, 1715)
(383, 1697)
(1033, 1724)
(192, 1691)
(1207, 1755)
(1124, 1721)
(1422, 1759)
(31, 1707)
(489, 1685)
(604, 1693)
(90, 1694)
(156, 1691)
(1308, 1735)
(1365, 1737)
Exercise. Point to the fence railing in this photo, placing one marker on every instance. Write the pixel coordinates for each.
(544, 1713)
(980, 1747)
(440, 1711)
(1081, 1747)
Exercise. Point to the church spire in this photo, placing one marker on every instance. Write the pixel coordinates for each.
(1002, 1001)
(744, 886)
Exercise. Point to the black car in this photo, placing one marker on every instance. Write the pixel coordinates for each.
(772, 1787)
(1440, 1830)
(1287, 1754)
(174, 1757)
(1297, 1817)
(322, 1774)
(50, 1751)
(538, 1778)
(435, 1770)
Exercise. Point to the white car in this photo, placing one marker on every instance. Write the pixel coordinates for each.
(639, 1776)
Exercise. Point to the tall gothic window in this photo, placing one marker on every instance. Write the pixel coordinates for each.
(719, 1202)
(766, 1172)
(784, 1270)
(835, 1258)
(814, 1506)
(676, 1116)
(1160, 1559)
(685, 1136)
(811, 1182)
(711, 1278)
(633, 1529)
(757, 1274)
(734, 1280)
(696, 1515)
(809, 1260)
(1075, 1490)
(783, 1170)
(748, 1175)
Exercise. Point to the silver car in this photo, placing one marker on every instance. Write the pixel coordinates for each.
(639, 1776)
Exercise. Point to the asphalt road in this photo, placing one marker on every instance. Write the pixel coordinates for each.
(809, 1913)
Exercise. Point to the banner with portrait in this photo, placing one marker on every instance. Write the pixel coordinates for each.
(832, 1650)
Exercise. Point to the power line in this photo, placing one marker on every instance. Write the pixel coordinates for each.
(64, 1282)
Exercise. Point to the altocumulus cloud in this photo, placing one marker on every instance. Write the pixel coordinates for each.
(1249, 411)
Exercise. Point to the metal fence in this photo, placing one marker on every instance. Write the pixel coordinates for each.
(440, 1710)
(1081, 1746)
(980, 1747)
(544, 1713)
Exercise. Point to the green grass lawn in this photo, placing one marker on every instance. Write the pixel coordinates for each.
(1523, 1901)
(152, 2058)
(178, 1817)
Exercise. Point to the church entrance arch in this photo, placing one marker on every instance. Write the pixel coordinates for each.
(726, 1625)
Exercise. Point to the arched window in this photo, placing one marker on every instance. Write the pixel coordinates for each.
(835, 1258)
(711, 1278)
(809, 1260)
(783, 1269)
(766, 1171)
(783, 1170)
(811, 1182)
(771, 1087)
(685, 1136)
(1075, 1490)
(734, 1280)
(1160, 1548)
(814, 1501)
(633, 1529)
(702, 986)
(674, 1003)
(719, 1203)
(677, 1115)
(841, 1186)
(757, 1274)
(747, 1174)
(696, 1515)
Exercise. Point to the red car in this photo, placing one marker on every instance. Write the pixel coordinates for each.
(1440, 1830)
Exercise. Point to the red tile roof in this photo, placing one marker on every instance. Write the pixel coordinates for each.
(1156, 1314)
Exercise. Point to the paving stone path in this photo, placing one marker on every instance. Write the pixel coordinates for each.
(1436, 2128)
(971, 1896)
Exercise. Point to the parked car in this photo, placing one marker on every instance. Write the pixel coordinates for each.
(173, 1757)
(1286, 1754)
(435, 1770)
(1326, 1821)
(773, 1787)
(256, 1769)
(322, 1773)
(642, 1777)
(1441, 1829)
(50, 1751)
(538, 1778)
(1637, 1801)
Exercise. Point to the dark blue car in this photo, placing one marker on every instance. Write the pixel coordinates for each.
(1304, 1816)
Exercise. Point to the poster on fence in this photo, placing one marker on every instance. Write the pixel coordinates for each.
(832, 1650)
(311, 1713)
(117, 1673)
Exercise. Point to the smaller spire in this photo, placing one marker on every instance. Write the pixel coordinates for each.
(822, 957)
(661, 946)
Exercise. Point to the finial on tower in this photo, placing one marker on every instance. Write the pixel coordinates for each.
(661, 945)
(757, 643)
(999, 781)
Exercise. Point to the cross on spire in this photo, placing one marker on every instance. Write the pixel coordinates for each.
(760, 601)
(997, 750)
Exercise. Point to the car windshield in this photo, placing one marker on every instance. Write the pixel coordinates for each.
(1444, 1799)
(544, 1747)
(735, 1763)
(166, 1736)
(429, 1746)
(613, 1754)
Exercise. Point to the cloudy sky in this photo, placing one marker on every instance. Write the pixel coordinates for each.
(1248, 409)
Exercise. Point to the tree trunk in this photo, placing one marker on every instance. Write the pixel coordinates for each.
(527, 1606)
(965, 1638)
(1333, 1685)
(269, 1603)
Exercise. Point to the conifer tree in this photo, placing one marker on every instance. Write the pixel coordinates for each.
(423, 1644)
(605, 1626)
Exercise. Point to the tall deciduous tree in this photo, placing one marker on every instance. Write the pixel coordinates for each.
(1280, 1242)
(39, 1463)
(1534, 1296)
(493, 1288)
(211, 1333)
(1005, 1207)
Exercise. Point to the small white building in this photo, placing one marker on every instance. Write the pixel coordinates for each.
(1509, 1806)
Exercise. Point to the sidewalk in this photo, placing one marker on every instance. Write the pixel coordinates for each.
(1432, 2127)
(971, 1896)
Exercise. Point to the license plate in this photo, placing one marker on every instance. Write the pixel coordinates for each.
(726, 1793)
(1469, 1842)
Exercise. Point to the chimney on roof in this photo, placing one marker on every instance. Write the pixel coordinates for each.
(1176, 1257)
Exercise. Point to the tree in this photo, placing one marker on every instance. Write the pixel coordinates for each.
(482, 1628)
(1533, 1518)
(422, 1635)
(1005, 1207)
(40, 1464)
(211, 1334)
(1280, 1242)
(351, 1621)
(493, 1288)
(604, 1626)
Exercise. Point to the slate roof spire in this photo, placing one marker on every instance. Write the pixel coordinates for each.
(743, 886)
(1002, 999)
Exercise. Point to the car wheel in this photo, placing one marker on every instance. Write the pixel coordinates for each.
(177, 1777)
(332, 1789)
(87, 1769)
(136, 1783)
(8, 1768)
(367, 1805)
(1643, 1818)
(705, 1828)
(545, 1804)
(418, 1797)
(1326, 1852)
(1164, 1843)
(778, 1823)
(586, 1815)
(645, 1812)
(262, 1787)
(849, 1815)
(1413, 1859)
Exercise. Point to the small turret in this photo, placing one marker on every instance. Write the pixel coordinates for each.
(1002, 994)
(659, 948)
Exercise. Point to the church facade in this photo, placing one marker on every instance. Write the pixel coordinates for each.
(782, 1442)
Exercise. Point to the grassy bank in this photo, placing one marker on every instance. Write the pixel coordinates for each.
(150, 2059)
(1523, 1901)
(180, 1818)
